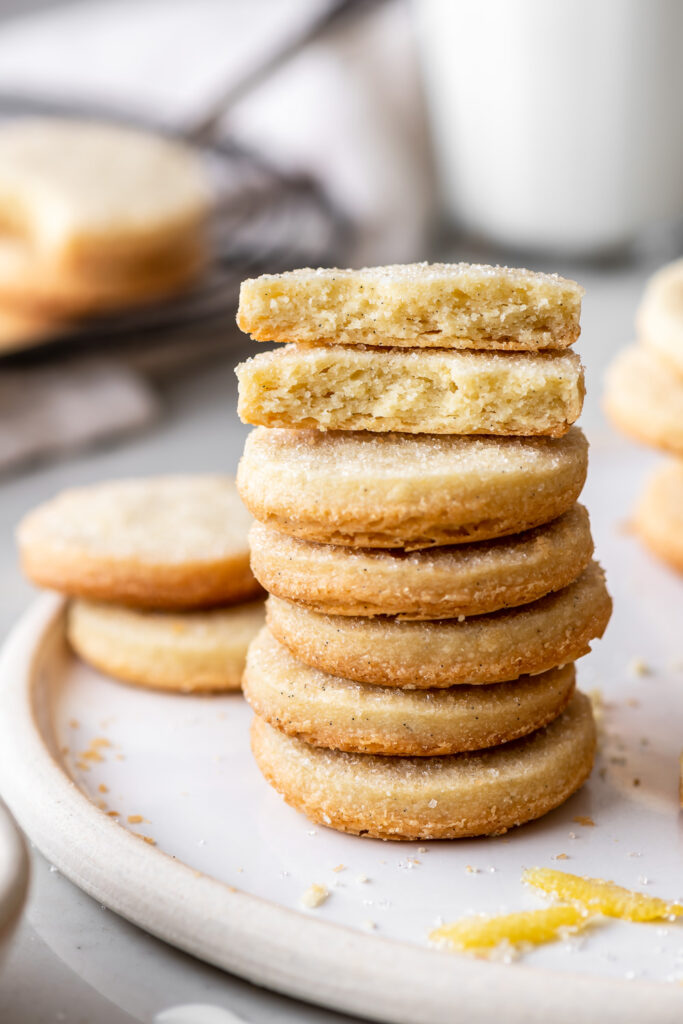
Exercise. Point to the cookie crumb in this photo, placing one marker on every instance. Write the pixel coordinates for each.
(315, 896)
(134, 819)
(639, 667)
(584, 819)
(339, 867)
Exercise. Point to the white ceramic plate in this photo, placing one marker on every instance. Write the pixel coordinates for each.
(13, 878)
(231, 862)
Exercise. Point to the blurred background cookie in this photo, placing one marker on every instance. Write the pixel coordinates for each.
(97, 216)
(658, 516)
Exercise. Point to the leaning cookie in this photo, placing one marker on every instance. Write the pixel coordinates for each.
(412, 491)
(660, 317)
(439, 305)
(188, 652)
(644, 398)
(158, 542)
(413, 391)
(490, 648)
(659, 514)
(469, 794)
(328, 711)
(434, 583)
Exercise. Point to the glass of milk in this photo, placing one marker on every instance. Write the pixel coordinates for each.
(557, 124)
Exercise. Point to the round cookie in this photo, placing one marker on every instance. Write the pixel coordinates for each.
(644, 398)
(59, 294)
(99, 214)
(160, 542)
(186, 652)
(412, 491)
(482, 793)
(489, 648)
(416, 391)
(660, 317)
(433, 583)
(659, 514)
(328, 711)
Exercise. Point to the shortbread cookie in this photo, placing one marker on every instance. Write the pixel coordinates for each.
(490, 648)
(162, 542)
(660, 317)
(644, 398)
(442, 305)
(20, 329)
(188, 651)
(328, 711)
(96, 204)
(402, 490)
(56, 293)
(434, 583)
(469, 794)
(659, 514)
(334, 387)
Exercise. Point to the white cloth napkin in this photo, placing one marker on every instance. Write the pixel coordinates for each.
(47, 411)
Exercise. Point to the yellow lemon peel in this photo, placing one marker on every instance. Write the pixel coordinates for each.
(529, 927)
(600, 896)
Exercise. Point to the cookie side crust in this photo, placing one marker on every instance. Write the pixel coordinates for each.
(332, 712)
(482, 649)
(482, 793)
(189, 652)
(434, 583)
(644, 398)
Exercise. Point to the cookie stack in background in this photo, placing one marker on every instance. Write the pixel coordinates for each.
(414, 475)
(97, 217)
(644, 398)
(158, 570)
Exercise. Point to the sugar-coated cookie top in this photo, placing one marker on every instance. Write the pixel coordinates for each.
(420, 273)
(167, 520)
(338, 454)
(65, 181)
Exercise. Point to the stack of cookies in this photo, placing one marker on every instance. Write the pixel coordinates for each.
(158, 572)
(96, 217)
(414, 476)
(644, 398)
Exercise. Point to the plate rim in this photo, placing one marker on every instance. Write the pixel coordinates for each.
(276, 947)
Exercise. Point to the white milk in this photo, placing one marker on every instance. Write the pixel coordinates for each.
(557, 124)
